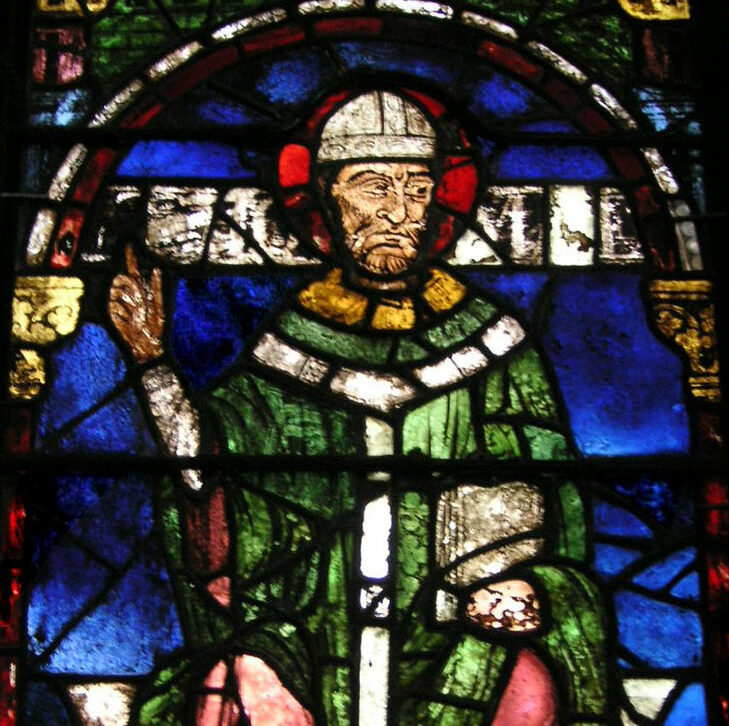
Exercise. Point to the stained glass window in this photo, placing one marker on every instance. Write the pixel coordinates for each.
(362, 365)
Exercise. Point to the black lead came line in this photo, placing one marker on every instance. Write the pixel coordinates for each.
(665, 466)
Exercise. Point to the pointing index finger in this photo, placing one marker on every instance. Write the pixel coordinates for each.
(131, 258)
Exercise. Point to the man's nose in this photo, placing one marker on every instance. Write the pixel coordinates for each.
(395, 209)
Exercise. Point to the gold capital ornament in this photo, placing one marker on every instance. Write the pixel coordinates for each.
(44, 309)
(657, 9)
(684, 313)
(70, 7)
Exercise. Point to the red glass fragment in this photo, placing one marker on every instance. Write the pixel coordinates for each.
(17, 433)
(563, 94)
(717, 523)
(297, 200)
(58, 55)
(445, 234)
(326, 108)
(8, 670)
(716, 517)
(718, 580)
(511, 60)
(293, 165)
(627, 163)
(349, 26)
(142, 114)
(207, 530)
(15, 522)
(710, 437)
(716, 493)
(276, 38)
(645, 203)
(451, 161)
(658, 239)
(436, 108)
(10, 606)
(195, 74)
(593, 121)
(665, 55)
(66, 243)
(93, 174)
(457, 188)
(665, 261)
(320, 232)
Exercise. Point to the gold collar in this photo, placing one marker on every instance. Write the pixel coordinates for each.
(330, 299)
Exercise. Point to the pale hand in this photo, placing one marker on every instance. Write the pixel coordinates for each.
(136, 309)
(510, 605)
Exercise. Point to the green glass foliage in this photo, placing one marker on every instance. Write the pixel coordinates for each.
(592, 33)
(133, 32)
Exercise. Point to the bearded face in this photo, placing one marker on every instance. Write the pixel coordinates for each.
(383, 208)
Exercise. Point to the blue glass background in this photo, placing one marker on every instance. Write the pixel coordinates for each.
(101, 600)
(207, 159)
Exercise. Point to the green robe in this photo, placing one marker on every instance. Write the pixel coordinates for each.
(294, 536)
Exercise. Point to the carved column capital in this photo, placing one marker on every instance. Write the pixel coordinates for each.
(683, 312)
(657, 9)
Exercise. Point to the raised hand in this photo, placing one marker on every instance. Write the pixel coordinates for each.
(136, 309)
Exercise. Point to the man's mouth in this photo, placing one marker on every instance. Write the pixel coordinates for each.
(397, 241)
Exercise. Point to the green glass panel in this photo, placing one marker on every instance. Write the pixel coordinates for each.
(501, 441)
(473, 669)
(598, 43)
(409, 351)
(576, 638)
(325, 340)
(166, 700)
(258, 417)
(494, 392)
(134, 32)
(514, 12)
(337, 700)
(546, 445)
(412, 551)
(334, 607)
(460, 325)
(571, 537)
(441, 428)
(530, 386)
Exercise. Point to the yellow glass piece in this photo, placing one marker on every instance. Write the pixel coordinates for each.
(657, 9)
(45, 308)
(330, 299)
(70, 6)
(394, 315)
(28, 375)
(684, 313)
(442, 291)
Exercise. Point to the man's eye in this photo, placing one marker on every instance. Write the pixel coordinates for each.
(378, 189)
(419, 191)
